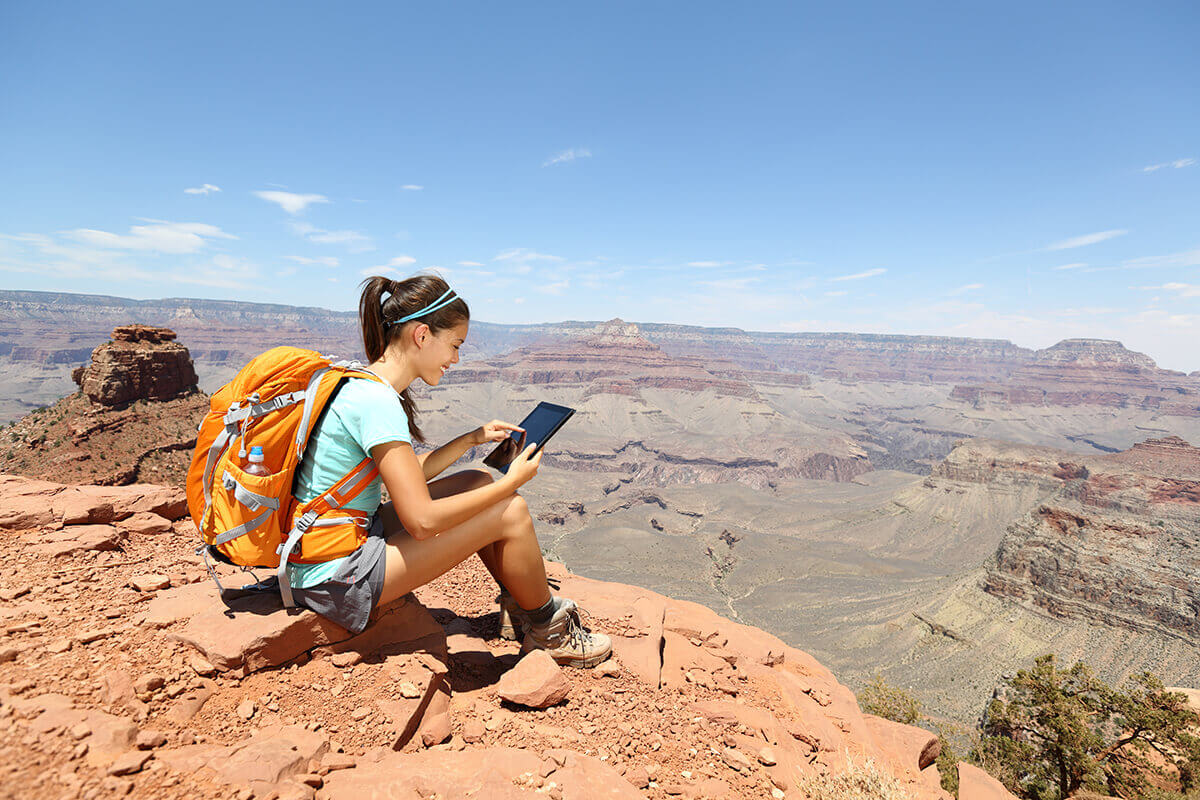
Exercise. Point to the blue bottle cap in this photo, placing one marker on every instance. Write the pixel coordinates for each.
(256, 450)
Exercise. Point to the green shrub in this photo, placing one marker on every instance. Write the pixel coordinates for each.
(890, 702)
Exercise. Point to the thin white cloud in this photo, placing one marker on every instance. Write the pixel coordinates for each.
(1073, 265)
(324, 261)
(411, 187)
(291, 202)
(970, 287)
(1083, 241)
(1186, 258)
(556, 288)
(871, 273)
(708, 264)
(355, 241)
(470, 264)
(730, 284)
(223, 271)
(1179, 163)
(207, 188)
(1182, 289)
(158, 237)
(520, 255)
(400, 261)
(568, 155)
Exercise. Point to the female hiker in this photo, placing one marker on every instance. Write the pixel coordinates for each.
(413, 329)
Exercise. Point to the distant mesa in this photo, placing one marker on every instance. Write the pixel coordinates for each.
(139, 363)
(1097, 372)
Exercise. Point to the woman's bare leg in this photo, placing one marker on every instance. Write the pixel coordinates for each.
(464, 482)
(506, 526)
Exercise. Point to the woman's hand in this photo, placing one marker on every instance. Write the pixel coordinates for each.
(494, 431)
(524, 466)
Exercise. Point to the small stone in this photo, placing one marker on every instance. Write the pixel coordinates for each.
(148, 683)
(409, 690)
(346, 659)
(8, 654)
(777, 793)
(331, 762)
(547, 768)
(80, 751)
(608, 669)
(361, 713)
(735, 759)
(59, 646)
(13, 592)
(246, 709)
(638, 776)
(129, 763)
(473, 731)
(150, 583)
(81, 731)
(148, 740)
(766, 757)
(201, 665)
(311, 779)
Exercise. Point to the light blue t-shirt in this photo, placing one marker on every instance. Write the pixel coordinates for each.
(363, 414)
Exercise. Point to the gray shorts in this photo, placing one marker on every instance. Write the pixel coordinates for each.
(352, 593)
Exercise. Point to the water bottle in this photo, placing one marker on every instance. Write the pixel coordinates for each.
(255, 464)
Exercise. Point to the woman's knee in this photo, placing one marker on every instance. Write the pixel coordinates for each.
(516, 513)
(477, 478)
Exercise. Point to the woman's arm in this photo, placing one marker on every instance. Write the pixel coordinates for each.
(424, 517)
(435, 462)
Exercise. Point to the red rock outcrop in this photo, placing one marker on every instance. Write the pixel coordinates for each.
(134, 419)
(1090, 372)
(196, 701)
(1112, 538)
(139, 363)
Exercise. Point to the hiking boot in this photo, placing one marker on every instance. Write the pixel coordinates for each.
(565, 638)
(511, 627)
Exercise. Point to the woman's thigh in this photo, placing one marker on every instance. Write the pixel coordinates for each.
(414, 562)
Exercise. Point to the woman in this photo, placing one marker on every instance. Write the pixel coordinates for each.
(413, 329)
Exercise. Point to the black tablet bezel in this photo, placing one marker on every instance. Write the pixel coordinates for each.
(566, 412)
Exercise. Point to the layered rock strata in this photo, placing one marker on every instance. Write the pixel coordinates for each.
(139, 362)
(1115, 538)
(1096, 372)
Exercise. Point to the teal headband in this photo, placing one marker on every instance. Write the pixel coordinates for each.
(445, 299)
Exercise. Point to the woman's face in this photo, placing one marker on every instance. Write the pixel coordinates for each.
(439, 351)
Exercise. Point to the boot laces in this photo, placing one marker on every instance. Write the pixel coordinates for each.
(577, 634)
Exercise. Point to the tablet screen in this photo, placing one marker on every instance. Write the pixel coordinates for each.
(540, 425)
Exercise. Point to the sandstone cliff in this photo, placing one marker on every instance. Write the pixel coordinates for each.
(1078, 372)
(122, 675)
(1115, 539)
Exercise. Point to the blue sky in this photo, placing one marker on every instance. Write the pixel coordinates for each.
(1028, 171)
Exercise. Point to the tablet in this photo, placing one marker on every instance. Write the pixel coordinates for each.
(542, 423)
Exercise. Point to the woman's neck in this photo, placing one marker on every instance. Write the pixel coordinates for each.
(394, 370)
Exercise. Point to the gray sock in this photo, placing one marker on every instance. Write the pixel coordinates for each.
(540, 616)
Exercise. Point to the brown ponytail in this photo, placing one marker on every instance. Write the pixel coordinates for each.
(384, 300)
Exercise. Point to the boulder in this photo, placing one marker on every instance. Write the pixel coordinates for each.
(536, 681)
(975, 784)
(77, 539)
(914, 747)
(256, 632)
(141, 362)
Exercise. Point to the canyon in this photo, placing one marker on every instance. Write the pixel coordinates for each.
(934, 510)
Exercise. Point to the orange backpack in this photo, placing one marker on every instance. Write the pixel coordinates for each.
(255, 520)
